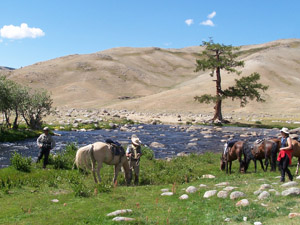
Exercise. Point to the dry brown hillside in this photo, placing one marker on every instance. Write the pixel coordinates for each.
(155, 79)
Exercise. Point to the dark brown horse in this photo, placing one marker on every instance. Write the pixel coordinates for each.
(232, 153)
(261, 150)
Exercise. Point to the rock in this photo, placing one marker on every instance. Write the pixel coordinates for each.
(82, 130)
(118, 212)
(222, 194)
(276, 192)
(191, 189)
(257, 223)
(208, 194)
(165, 190)
(243, 202)
(183, 197)
(292, 215)
(191, 144)
(209, 176)
(257, 192)
(244, 135)
(291, 191)
(264, 195)
(156, 145)
(181, 154)
(54, 200)
(202, 185)
(229, 188)
(265, 186)
(227, 220)
(222, 184)
(289, 184)
(112, 126)
(245, 219)
(207, 136)
(120, 218)
(298, 178)
(167, 194)
(237, 194)
(264, 205)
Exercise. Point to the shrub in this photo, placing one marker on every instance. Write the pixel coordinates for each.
(65, 159)
(78, 187)
(148, 153)
(21, 163)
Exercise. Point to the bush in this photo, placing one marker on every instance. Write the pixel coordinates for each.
(78, 187)
(147, 153)
(64, 160)
(21, 163)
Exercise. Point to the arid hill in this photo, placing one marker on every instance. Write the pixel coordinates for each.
(163, 80)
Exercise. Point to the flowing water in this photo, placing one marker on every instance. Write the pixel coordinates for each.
(176, 139)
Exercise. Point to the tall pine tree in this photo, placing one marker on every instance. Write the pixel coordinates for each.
(219, 57)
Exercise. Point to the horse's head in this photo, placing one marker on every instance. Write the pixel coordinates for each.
(222, 162)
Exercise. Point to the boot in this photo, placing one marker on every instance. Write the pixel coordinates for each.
(136, 180)
(282, 179)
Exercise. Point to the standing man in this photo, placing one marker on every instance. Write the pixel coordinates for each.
(45, 142)
(134, 153)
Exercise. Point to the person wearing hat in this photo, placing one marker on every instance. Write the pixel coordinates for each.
(134, 153)
(285, 154)
(45, 142)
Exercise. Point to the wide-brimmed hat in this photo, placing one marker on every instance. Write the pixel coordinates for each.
(46, 129)
(285, 130)
(135, 140)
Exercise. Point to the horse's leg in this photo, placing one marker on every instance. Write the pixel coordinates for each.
(93, 169)
(255, 164)
(262, 165)
(230, 164)
(117, 170)
(226, 165)
(298, 166)
(98, 171)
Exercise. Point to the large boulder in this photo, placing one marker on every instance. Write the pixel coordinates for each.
(264, 195)
(191, 189)
(291, 191)
(289, 184)
(237, 194)
(210, 193)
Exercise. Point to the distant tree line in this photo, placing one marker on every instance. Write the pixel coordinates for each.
(18, 101)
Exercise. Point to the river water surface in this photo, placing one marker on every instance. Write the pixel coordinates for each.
(176, 139)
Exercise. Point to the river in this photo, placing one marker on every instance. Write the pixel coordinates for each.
(176, 139)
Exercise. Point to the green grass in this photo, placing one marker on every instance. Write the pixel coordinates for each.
(25, 198)
(10, 135)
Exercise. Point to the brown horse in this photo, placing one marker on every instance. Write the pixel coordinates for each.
(99, 152)
(264, 149)
(296, 153)
(231, 154)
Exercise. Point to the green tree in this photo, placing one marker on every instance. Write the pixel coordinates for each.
(36, 105)
(219, 57)
(6, 87)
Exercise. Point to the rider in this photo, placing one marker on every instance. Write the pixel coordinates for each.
(134, 153)
(285, 154)
(45, 142)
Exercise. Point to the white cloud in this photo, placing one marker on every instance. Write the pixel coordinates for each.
(189, 22)
(168, 44)
(20, 32)
(212, 15)
(208, 23)
(1, 40)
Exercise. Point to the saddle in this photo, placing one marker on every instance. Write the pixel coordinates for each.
(115, 147)
(259, 141)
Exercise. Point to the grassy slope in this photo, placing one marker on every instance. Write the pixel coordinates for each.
(28, 200)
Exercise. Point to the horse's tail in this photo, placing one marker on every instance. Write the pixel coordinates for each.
(84, 156)
(274, 150)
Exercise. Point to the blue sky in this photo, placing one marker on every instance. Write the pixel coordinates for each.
(55, 28)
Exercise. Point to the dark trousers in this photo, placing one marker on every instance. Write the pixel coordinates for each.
(44, 152)
(283, 166)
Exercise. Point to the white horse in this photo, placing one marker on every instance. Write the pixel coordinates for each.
(87, 156)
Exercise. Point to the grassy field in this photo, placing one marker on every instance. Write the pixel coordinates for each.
(25, 198)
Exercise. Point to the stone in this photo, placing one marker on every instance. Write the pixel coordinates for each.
(167, 193)
(222, 194)
(243, 202)
(276, 192)
(120, 218)
(298, 178)
(55, 200)
(202, 185)
(227, 220)
(291, 191)
(229, 188)
(156, 145)
(245, 219)
(257, 223)
(209, 176)
(265, 186)
(118, 212)
(289, 184)
(208, 194)
(257, 192)
(264, 195)
(191, 189)
(182, 154)
(222, 184)
(237, 194)
(207, 136)
(292, 215)
(164, 190)
(183, 197)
